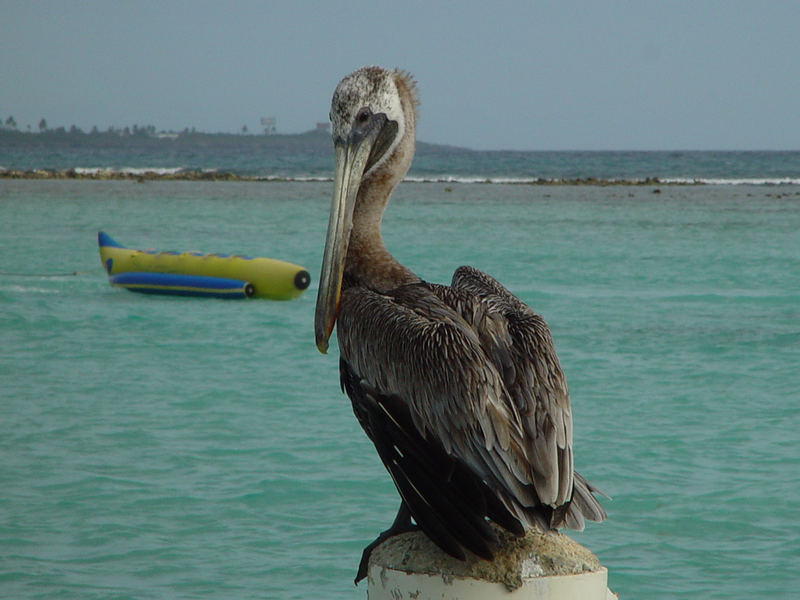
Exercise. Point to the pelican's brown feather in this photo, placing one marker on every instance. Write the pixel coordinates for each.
(471, 379)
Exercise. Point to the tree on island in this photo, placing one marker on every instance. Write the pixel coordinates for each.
(43, 125)
(11, 123)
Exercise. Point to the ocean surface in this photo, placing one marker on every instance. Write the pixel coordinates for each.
(255, 156)
(161, 447)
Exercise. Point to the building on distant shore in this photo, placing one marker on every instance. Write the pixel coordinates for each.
(269, 124)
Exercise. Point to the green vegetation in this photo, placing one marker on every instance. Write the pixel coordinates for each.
(146, 138)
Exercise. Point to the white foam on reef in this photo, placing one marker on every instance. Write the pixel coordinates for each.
(128, 170)
(301, 178)
(558, 180)
(475, 179)
(469, 180)
(609, 180)
(732, 181)
(451, 179)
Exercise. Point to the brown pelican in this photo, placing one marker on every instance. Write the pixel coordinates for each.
(458, 387)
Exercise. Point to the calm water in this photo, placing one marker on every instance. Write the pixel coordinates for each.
(181, 448)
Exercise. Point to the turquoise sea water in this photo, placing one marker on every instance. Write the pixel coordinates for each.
(156, 447)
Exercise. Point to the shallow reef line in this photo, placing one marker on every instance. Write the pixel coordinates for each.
(211, 175)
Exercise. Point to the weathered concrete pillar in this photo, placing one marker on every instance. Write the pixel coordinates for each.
(538, 566)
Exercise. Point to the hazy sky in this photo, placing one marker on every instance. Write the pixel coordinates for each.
(492, 75)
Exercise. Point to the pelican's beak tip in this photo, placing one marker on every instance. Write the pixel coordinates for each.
(322, 342)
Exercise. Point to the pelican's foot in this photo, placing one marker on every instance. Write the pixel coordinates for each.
(402, 523)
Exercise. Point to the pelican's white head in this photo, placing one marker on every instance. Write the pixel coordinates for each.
(373, 118)
(384, 99)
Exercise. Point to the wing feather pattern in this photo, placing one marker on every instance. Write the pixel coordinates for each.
(461, 392)
(539, 391)
(446, 498)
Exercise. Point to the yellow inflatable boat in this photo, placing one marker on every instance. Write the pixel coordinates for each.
(196, 274)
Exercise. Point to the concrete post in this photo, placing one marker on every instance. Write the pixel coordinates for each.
(537, 566)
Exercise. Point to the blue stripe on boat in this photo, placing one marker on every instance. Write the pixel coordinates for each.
(182, 285)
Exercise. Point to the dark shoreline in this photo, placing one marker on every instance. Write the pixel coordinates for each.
(194, 175)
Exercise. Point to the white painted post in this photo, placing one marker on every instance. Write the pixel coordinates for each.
(538, 566)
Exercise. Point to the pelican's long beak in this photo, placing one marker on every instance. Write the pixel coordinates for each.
(351, 159)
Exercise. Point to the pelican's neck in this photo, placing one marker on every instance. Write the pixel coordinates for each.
(368, 261)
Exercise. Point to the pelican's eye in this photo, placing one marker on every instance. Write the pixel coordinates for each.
(363, 115)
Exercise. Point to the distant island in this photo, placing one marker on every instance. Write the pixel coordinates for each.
(310, 142)
(143, 153)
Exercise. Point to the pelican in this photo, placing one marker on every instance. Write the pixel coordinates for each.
(458, 387)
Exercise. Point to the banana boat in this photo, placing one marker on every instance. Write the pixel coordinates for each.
(198, 274)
